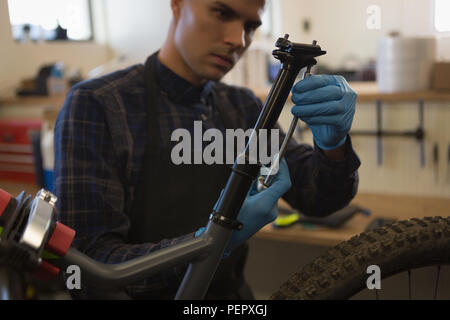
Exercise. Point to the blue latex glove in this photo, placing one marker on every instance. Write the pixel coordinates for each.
(259, 208)
(327, 105)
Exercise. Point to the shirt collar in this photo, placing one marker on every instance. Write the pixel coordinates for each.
(179, 89)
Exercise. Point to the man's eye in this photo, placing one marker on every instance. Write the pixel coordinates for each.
(223, 14)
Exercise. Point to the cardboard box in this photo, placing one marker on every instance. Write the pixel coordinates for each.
(440, 79)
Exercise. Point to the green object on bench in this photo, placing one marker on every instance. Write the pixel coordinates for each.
(286, 220)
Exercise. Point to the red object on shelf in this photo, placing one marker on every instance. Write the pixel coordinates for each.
(16, 152)
(5, 198)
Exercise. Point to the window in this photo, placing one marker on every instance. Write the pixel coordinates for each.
(442, 15)
(267, 19)
(50, 19)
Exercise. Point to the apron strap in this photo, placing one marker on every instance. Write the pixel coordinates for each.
(140, 204)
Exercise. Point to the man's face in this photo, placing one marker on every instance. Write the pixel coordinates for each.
(211, 35)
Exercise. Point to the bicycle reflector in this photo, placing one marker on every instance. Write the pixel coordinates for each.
(30, 234)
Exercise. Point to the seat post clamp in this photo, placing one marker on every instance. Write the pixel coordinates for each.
(226, 222)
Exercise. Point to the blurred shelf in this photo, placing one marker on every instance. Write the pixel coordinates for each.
(31, 108)
(48, 101)
(15, 188)
(368, 92)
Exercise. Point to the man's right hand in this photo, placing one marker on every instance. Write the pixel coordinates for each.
(259, 208)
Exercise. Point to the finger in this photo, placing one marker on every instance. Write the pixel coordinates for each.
(253, 188)
(327, 108)
(342, 82)
(314, 82)
(281, 182)
(327, 93)
(322, 120)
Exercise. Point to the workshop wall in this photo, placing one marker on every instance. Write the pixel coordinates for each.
(401, 171)
(22, 60)
(342, 25)
(136, 28)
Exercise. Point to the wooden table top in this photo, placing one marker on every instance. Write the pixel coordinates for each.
(399, 207)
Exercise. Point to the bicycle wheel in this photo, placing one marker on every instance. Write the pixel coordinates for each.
(341, 272)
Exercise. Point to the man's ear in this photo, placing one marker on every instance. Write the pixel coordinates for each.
(176, 6)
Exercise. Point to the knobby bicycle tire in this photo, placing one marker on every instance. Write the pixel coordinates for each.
(342, 271)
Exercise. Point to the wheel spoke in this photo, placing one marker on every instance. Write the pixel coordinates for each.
(409, 284)
(437, 282)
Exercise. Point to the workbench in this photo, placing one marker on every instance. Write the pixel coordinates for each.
(398, 207)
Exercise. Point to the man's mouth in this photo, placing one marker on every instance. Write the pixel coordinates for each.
(223, 61)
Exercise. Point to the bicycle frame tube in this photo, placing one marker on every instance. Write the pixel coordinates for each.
(114, 276)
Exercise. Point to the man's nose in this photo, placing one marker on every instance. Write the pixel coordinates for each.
(235, 36)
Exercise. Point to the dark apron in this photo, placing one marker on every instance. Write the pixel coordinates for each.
(174, 200)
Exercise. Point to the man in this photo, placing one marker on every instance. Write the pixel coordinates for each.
(115, 180)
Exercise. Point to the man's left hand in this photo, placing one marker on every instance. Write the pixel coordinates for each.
(327, 105)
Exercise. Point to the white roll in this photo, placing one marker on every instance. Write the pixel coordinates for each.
(405, 64)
